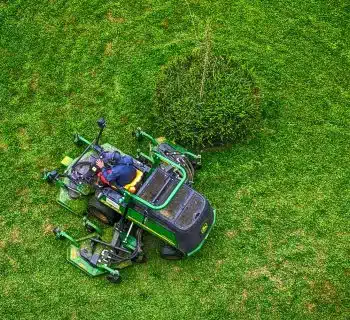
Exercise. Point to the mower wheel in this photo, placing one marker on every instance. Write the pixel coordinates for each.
(89, 229)
(77, 141)
(102, 212)
(114, 278)
(170, 253)
(56, 231)
(140, 259)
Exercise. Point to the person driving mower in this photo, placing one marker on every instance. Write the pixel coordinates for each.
(119, 170)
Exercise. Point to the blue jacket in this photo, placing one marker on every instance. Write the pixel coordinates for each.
(121, 173)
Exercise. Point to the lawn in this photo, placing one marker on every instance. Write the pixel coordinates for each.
(280, 248)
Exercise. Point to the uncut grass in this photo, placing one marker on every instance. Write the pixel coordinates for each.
(279, 247)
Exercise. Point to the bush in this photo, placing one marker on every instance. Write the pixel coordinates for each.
(204, 100)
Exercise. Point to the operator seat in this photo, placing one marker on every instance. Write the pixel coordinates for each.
(134, 184)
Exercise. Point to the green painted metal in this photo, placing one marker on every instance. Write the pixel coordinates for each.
(151, 226)
(92, 225)
(145, 222)
(129, 242)
(82, 139)
(208, 231)
(60, 183)
(65, 206)
(155, 158)
(184, 151)
(108, 269)
(62, 234)
(141, 154)
(139, 134)
(74, 258)
(138, 218)
(113, 205)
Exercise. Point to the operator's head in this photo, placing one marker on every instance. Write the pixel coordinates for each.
(111, 157)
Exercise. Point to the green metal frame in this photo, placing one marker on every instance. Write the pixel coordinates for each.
(155, 157)
(149, 224)
(141, 134)
(172, 194)
(63, 235)
(93, 226)
(73, 256)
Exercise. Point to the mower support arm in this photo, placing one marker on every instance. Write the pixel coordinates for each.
(63, 235)
(139, 134)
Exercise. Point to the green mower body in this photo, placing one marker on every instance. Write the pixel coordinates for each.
(160, 201)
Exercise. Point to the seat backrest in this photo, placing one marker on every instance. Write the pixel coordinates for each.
(131, 187)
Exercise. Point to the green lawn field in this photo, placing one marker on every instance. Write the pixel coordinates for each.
(280, 247)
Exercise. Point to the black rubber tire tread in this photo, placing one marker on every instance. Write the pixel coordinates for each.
(90, 229)
(114, 279)
(97, 208)
(170, 253)
(140, 259)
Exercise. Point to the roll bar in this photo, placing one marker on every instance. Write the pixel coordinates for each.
(172, 194)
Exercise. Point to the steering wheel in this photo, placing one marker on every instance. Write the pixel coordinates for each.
(83, 171)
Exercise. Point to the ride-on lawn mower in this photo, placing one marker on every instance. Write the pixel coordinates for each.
(159, 200)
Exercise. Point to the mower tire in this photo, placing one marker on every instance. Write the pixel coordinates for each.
(142, 258)
(102, 212)
(114, 278)
(170, 253)
(89, 229)
(57, 232)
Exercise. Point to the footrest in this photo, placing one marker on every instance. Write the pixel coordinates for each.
(66, 161)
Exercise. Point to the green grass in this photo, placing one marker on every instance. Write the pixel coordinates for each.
(206, 100)
(280, 246)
